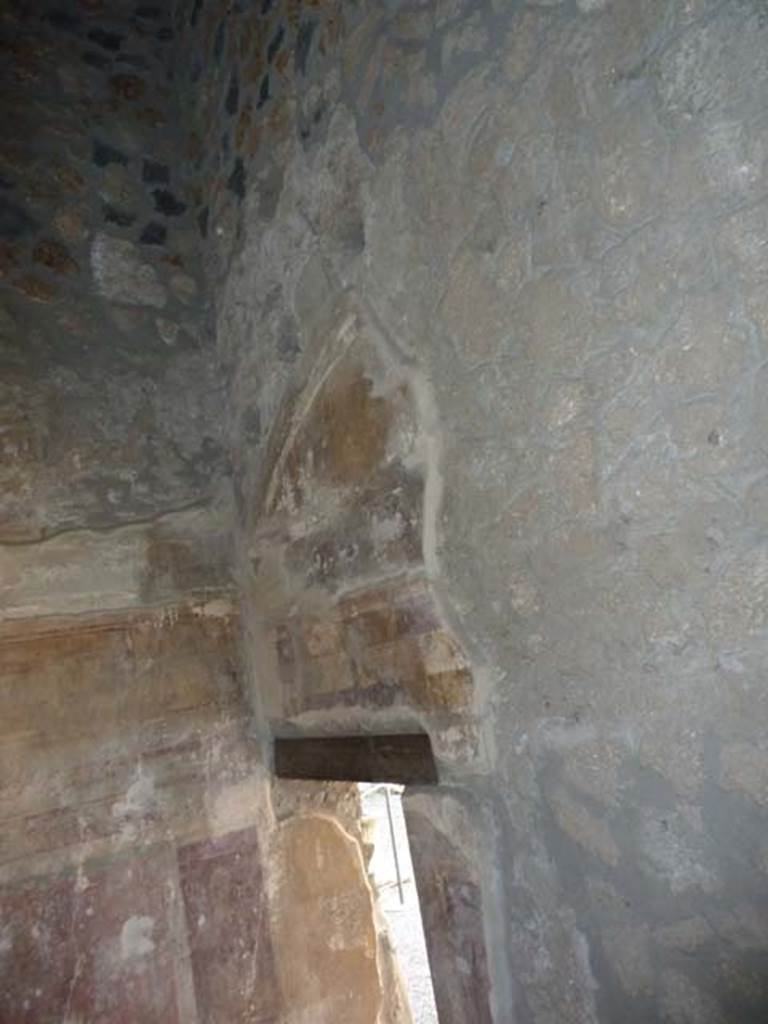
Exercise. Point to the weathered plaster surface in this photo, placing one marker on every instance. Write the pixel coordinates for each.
(108, 380)
(130, 566)
(325, 935)
(547, 216)
(490, 345)
(446, 838)
(133, 816)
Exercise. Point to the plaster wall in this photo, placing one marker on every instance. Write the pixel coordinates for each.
(535, 229)
(108, 380)
(133, 824)
(488, 375)
(146, 870)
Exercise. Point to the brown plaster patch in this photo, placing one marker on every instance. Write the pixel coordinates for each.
(35, 288)
(345, 435)
(54, 256)
(379, 647)
(325, 936)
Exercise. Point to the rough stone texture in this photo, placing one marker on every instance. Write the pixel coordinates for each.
(490, 331)
(105, 413)
(544, 218)
(121, 276)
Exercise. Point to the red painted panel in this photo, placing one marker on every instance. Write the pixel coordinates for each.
(37, 956)
(99, 946)
(232, 961)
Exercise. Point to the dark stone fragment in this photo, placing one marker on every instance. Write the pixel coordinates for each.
(112, 215)
(6, 183)
(252, 426)
(9, 258)
(128, 87)
(202, 221)
(167, 203)
(35, 289)
(97, 60)
(304, 44)
(226, 145)
(232, 101)
(288, 341)
(241, 503)
(309, 124)
(54, 256)
(148, 11)
(270, 187)
(14, 222)
(106, 40)
(165, 34)
(195, 13)
(134, 61)
(275, 44)
(104, 154)
(236, 180)
(154, 173)
(154, 234)
(266, 6)
(263, 92)
(218, 42)
(63, 21)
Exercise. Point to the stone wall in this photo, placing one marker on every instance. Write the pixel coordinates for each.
(109, 387)
(144, 874)
(490, 339)
(518, 245)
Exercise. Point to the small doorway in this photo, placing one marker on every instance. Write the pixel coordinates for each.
(390, 870)
(443, 825)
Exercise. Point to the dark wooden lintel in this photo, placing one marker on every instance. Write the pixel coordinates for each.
(405, 759)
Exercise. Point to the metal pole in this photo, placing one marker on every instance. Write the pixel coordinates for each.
(394, 845)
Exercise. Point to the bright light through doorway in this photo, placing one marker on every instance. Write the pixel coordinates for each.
(392, 875)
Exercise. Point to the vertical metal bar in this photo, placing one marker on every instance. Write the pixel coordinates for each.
(394, 845)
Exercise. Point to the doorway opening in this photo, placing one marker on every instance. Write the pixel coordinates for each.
(441, 824)
(391, 873)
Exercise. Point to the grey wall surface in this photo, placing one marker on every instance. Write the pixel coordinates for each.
(107, 380)
(555, 214)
